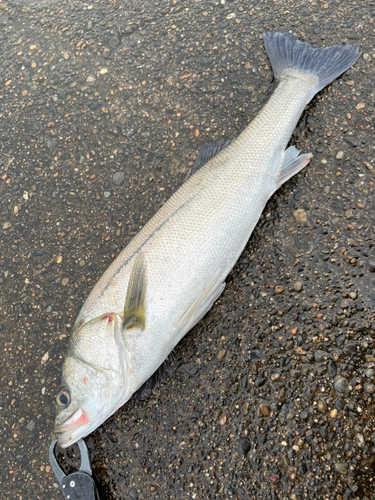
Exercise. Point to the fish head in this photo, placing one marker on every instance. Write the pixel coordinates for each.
(84, 400)
(95, 380)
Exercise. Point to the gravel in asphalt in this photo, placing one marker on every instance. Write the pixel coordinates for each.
(104, 107)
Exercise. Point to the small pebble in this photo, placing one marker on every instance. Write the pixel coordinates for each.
(260, 381)
(244, 447)
(51, 144)
(340, 404)
(90, 79)
(133, 495)
(297, 285)
(118, 178)
(263, 410)
(349, 348)
(340, 155)
(344, 304)
(332, 368)
(223, 420)
(349, 214)
(341, 468)
(341, 384)
(64, 281)
(322, 406)
(221, 354)
(333, 413)
(319, 355)
(300, 215)
(360, 440)
(113, 42)
(31, 425)
(369, 388)
(279, 289)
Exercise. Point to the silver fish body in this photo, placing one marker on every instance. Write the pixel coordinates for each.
(178, 261)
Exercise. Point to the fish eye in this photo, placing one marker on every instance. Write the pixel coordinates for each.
(63, 398)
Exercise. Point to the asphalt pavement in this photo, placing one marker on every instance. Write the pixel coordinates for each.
(104, 106)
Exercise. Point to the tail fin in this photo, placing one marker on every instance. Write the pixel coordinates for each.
(287, 53)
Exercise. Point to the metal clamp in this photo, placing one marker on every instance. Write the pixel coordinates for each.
(77, 485)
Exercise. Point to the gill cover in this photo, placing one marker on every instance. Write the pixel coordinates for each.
(95, 378)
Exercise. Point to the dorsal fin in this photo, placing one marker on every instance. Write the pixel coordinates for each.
(207, 152)
(135, 303)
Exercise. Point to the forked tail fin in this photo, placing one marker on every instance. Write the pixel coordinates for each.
(286, 54)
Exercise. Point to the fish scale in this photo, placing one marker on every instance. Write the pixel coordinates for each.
(194, 216)
(173, 270)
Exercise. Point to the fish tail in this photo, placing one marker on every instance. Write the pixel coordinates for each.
(289, 56)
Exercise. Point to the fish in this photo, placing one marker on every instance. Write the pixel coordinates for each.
(174, 269)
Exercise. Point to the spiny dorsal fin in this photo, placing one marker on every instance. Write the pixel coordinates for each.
(135, 303)
(206, 154)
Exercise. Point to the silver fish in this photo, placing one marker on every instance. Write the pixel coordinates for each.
(173, 270)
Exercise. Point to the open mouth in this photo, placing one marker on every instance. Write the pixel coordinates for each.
(78, 418)
(71, 429)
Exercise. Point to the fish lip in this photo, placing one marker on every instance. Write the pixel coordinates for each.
(69, 436)
(66, 439)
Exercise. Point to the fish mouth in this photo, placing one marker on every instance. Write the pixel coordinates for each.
(75, 427)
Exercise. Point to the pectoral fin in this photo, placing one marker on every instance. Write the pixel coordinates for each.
(135, 303)
(201, 305)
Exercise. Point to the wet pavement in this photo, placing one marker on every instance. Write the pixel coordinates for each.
(103, 108)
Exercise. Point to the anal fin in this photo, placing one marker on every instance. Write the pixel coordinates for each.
(292, 164)
(201, 305)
